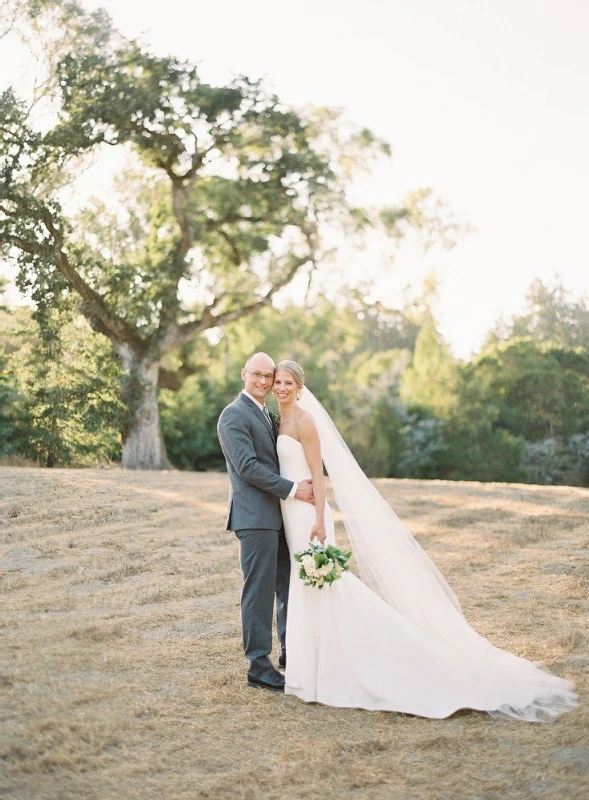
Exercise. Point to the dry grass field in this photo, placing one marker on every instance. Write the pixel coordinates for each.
(123, 675)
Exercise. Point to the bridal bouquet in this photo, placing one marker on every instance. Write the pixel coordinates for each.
(320, 565)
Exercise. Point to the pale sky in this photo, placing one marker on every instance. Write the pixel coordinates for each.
(486, 101)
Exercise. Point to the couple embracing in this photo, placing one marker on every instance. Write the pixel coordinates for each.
(394, 639)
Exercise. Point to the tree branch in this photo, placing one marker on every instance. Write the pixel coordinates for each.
(175, 335)
(179, 199)
(236, 258)
(179, 335)
(11, 25)
(198, 158)
(26, 246)
(8, 213)
(213, 224)
(181, 188)
(100, 317)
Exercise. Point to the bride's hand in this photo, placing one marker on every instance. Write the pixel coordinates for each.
(318, 532)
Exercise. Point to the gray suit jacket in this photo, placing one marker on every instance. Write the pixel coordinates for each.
(249, 448)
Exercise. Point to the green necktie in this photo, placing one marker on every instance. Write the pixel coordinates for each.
(268, 417)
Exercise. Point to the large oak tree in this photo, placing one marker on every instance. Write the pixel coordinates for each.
(230, 197)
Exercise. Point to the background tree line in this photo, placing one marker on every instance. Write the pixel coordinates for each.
(518, 411)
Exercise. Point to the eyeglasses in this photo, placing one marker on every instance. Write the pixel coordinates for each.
(259, 375)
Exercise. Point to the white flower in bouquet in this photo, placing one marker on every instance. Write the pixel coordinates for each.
(319, 565)
(308, 563)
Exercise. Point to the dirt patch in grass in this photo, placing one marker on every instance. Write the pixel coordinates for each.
(123, 675)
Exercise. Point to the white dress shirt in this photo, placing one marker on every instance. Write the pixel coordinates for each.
(262, 407)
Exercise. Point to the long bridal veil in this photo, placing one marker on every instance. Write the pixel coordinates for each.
(393, 565)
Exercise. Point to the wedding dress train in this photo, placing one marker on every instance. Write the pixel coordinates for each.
(400, 643)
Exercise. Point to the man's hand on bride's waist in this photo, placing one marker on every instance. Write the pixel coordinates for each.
(304, 491)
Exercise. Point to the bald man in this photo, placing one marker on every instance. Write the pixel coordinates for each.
(248, 438)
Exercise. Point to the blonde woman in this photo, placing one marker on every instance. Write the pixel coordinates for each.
(395, 639)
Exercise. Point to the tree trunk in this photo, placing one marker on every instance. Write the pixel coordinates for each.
(143, 443)
(51, 455)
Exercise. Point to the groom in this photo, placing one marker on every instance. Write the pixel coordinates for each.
(248, 436)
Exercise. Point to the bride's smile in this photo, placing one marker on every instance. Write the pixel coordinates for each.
(284, 388)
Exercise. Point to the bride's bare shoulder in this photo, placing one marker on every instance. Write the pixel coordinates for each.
(306, 424)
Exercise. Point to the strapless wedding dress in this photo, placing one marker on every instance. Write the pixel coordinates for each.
(347, 647)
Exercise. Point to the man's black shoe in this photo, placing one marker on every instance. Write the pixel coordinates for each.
(263, 675)
(282, 660)
(260, 683)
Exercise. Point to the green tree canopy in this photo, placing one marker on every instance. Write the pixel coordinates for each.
(59, 392)
(553, 314)
(539, 389)
(430, 381)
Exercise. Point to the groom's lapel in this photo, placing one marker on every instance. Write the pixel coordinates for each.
(260, 415)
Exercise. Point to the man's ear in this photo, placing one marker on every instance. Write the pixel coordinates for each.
(243, 374)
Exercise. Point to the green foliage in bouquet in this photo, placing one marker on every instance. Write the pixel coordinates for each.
(320, 565)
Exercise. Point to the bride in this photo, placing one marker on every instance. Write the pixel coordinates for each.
(396, 640)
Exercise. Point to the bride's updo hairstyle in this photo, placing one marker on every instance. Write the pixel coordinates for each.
(294, 370)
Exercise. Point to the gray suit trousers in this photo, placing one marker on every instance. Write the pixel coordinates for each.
(265, 563)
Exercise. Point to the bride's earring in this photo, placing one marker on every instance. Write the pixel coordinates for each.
(299, 394)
